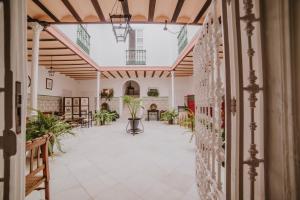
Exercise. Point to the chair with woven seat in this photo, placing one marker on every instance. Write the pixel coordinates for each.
(37, 154)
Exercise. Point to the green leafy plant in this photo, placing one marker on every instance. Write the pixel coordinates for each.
(189, 123)
(42, 124)
(104, 116)
(153, 93)
(169, 116)
(133, 104)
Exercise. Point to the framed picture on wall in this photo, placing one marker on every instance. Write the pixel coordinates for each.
(68, 101)
(68, 110)
(49, 83)
(84, 101)
(76, 101)
(76, 110)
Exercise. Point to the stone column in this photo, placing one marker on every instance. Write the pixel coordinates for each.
(172, 90)
(98, 91)
(36, 28)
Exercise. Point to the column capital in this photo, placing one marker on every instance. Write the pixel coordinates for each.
(36, 27)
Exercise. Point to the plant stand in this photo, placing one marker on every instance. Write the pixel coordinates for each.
(133, 131)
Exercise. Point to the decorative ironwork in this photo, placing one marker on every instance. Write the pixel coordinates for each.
(253, 89)
(83, 38)
(120, 21)
(135, 57)
(210, 154)
(182, 39)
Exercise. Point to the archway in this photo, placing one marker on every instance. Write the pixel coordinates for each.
(131, 88)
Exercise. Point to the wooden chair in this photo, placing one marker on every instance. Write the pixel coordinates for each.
(37, 151)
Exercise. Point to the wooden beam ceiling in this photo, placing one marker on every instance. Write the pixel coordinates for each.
(46, 10)
(98, 10)
(161, 74)
(202, 11)
(128, 74)
(152, 4)
(136, 74)
(145, 74)
(72, 10)
(177, 10)
(153, 73)
(111, 74)
(120, 74)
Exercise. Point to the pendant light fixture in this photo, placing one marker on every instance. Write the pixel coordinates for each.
(51, 72)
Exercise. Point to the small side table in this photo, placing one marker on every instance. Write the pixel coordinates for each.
(155, 112)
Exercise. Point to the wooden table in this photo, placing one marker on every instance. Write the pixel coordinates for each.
(155, 112)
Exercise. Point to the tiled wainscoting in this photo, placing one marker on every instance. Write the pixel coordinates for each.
(47, 103)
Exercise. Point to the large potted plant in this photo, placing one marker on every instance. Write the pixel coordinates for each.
(134, 105)
(42, 124)
(104, 116)
(169, 116)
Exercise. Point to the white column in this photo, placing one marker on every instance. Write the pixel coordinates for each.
(98, 91)
(172, 90)
(36, 28)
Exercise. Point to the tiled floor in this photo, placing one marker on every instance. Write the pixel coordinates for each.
(105, 163)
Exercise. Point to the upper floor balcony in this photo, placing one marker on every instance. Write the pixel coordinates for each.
(135, 57)
(83, 38)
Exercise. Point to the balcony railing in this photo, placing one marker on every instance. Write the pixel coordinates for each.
(135, 57)
(83, 38)
(182, 39)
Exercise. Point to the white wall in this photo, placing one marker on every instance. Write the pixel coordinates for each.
(62, 85)
(183, 87)
(161, 46)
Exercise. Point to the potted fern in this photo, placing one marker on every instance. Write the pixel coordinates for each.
(134, 105)
(104, 116)
(169, 116)
(42, 124)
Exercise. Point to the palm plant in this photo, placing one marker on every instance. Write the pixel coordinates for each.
(134, 105)
(42, 124)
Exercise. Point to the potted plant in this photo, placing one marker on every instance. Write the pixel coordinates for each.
(104, 116)
(134, 105)
(169, 116)
(41, 124)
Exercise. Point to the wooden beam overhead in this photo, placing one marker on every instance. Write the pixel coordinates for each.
(44, 40)
(111, 74)
(128, 74)
(145, 74)
(136, 74)
(120, 74)
(49, 55)
(177, 10)
(46, 10)
(202, 11)
(104, 75)
(169, 74)
(72, 10)
(153, 73)
(65, 64)
(125, 7)
(98, 10)
(161, 74)
(151, 10)
(49, 48)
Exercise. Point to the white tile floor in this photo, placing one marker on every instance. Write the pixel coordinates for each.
(105, 163)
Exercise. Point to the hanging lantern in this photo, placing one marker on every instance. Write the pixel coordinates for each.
(120, 21)
(51, 72)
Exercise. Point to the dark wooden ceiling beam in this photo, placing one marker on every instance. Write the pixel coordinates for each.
(128, 74)
(111, 74)
(49, 48)
(177, 10)
(72, 10)
(98, 10)
(104, 75)
(71, 54)
(161, 74)
(55, 60)
(169, 74)
(125, 7)
(44, 40)
(120, 74)
(136, 74)
(46, 10)
(145, 74)
(153, 73)
(152, 4)
(202, 11)
(64, 64)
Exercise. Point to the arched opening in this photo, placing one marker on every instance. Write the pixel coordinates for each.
(131, 88)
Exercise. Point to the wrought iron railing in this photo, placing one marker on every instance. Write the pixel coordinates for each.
(135, 57)
(83, 38)
(182, 39)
